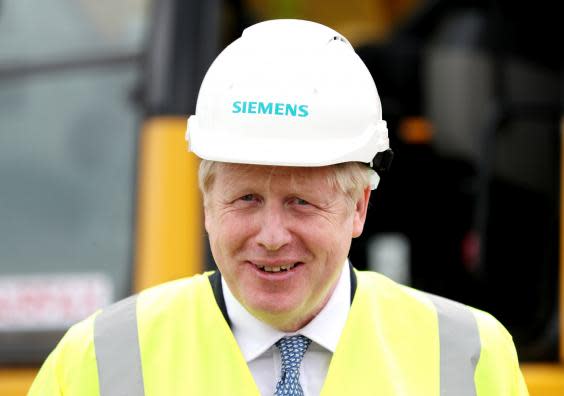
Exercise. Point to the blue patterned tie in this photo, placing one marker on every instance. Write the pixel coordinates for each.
(292, 351)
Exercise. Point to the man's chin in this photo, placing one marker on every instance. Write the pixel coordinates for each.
(281, 314)
(273, 307)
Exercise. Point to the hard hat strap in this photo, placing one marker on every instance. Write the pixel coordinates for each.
(382, 162)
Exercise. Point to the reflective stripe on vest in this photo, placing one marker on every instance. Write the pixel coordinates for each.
(118, 357)
(119, 360)
(460, 346)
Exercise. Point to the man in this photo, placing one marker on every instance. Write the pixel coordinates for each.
(289, 128)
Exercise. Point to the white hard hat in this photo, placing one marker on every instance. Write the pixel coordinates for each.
(288, 93)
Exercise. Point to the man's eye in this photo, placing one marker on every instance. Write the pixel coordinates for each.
(247, 198)
(300, 201)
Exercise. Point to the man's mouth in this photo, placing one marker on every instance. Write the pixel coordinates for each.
(281, 268)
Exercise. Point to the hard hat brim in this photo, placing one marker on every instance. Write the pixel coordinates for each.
(225, 147)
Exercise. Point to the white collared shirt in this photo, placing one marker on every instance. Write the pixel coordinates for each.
(256, 339)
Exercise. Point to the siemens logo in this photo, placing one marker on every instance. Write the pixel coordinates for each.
(283, 109)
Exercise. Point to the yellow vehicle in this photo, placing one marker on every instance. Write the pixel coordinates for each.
(99, 196)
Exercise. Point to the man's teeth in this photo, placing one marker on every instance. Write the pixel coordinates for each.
(276, 269)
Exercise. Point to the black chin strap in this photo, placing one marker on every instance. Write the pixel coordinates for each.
(382, 162)
(353, 282)
(215, 282)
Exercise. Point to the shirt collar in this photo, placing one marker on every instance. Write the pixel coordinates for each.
(255, 337)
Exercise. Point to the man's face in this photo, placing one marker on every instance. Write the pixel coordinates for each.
(280, 236)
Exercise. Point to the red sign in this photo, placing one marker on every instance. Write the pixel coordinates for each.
(41, 302)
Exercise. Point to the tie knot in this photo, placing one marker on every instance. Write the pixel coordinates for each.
(292, 351)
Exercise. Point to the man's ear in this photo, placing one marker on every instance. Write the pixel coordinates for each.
(206, 214)
(360, 209)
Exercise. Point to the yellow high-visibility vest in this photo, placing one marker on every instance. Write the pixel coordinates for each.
(174, 339)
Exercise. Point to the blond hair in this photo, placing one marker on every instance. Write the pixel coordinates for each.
(349, 177)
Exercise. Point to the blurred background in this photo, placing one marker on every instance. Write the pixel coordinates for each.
(98, 196)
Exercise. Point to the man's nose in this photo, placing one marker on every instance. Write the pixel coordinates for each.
(273, 233)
